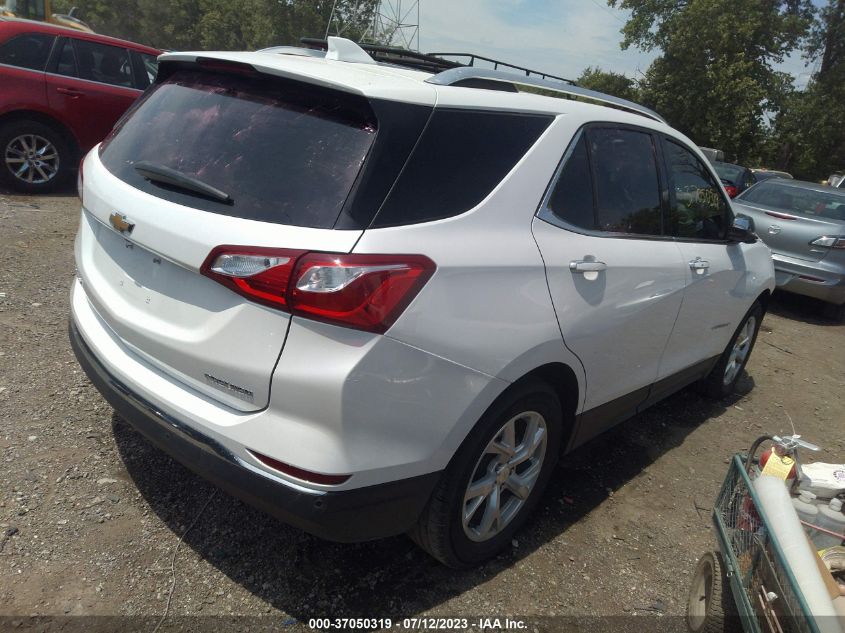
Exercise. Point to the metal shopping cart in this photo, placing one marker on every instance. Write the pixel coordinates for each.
(747, 584)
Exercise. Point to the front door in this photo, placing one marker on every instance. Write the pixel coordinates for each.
(717, 293)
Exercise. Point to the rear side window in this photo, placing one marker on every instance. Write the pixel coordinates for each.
(103, 63)
(626, 183)
(66, 64)
(572, 197)
(150, 68)
(697, 208)
(460, 158)
(283, 151)
(609, 183)
(29, 50)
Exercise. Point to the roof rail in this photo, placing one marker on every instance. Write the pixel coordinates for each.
(497, 63)
(469, 76)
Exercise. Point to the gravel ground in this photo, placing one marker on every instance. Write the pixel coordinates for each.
(90, 514)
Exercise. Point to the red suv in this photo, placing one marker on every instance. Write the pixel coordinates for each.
(61, 91)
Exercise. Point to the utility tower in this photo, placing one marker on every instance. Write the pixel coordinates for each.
(393, 23)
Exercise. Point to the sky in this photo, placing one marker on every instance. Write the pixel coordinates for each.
(561, 37)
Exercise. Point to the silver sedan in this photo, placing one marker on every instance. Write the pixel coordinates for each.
(804, 225)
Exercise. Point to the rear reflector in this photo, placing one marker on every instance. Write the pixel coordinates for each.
(259, 274)
(299, 473)
(366, 292)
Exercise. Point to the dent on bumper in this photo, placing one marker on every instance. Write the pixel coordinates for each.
(351, 515)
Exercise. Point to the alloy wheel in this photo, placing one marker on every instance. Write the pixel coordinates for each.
(32, 159)
(740, 350)
(504, 476)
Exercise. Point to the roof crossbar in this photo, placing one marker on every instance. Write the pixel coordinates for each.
(470, 75)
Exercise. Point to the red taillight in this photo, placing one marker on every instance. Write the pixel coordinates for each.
(367, 292)
(732, 191)
(299, 473)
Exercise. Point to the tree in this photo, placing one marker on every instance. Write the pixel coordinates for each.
(715, 79)
(221, 24)
(608, 82)
(809, 135)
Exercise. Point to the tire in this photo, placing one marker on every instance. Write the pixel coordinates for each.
(34, 158)
(719, 383)
(710, 606)
(441, 530)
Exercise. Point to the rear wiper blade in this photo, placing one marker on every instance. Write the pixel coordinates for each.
(167, 176)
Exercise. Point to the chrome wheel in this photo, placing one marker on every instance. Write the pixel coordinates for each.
(32, 159)
(504, 476)
(740, 350)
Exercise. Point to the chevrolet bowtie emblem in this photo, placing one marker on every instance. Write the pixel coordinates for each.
(121, 223)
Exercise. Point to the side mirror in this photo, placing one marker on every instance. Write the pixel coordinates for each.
(742, 230)
(73, 12)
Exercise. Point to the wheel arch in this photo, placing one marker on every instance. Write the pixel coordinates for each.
(564, 382)
(48, 120)
(764, 298)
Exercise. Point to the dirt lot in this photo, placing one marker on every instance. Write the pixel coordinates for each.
(91, 514)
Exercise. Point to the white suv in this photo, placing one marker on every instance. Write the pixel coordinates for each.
(373, 300)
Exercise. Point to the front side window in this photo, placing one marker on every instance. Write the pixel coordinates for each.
(29, 50)
(609, 183)
(697, 208)
(103, 63)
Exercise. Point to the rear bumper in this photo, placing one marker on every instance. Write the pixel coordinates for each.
(812, 279)
(352, 515)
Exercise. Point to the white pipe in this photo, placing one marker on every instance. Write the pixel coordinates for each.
(783, 523)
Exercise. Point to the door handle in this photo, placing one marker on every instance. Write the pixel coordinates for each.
(583, 266)
(699, 265)
(70, 92)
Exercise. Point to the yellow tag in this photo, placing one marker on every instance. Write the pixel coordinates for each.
(778, 466)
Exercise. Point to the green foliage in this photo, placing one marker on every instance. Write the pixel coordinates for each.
(715, 80)
(808, 136)
(608, 82)
(220, 24)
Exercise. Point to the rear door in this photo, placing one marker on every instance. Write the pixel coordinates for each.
(616, 281)
(285, 154)
(788, 218)
(91, 84)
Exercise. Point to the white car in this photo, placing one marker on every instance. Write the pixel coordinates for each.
(373, 300)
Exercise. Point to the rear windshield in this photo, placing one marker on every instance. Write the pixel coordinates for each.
(728, 171)
(284, 152)
(797, 200)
